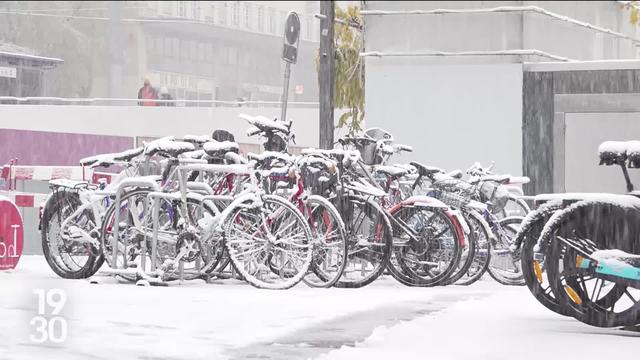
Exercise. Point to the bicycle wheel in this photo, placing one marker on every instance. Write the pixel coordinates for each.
(329, 242)
(195, 252)
(481, 232)
(369, 242)
(468, 256)
(505, 266)
(67, 258)
(534, 264)
(589, 295)
(440, 247)
(269, 245)
(514, 207)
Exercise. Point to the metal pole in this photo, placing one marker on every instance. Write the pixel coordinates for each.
(326, 74)
(285, 91)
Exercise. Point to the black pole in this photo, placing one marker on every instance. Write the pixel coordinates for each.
(326, 74)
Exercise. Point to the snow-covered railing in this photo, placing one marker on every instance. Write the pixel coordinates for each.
(50, 100)
(505, 9)
(512, 52)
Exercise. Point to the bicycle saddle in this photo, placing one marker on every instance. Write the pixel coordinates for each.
(106, 160)
(392, 171)
(167, 147)
(426, 170)
(261, 123)
(219, 148)
(197, 139)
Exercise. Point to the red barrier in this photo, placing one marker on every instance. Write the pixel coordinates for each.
(11, 234)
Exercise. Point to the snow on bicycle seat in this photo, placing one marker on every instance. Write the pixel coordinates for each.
(128, 155)
(392, 171)
(197, 139)
(219, 148)
(613, 152)
(106, 160)
(271, 155)
(633, 154)
(197, 154)
(426, 170)
(263, 123)
(167, 146)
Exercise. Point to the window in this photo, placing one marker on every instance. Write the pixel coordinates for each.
(184, 49)
(159, 46)
(195, 9)
(233, 56)
(167, 47)
(150, 45)
(208, 52)
(201, 51)
(176, 47)
(221, 12)
(246, 12)
(281, 18)
(234, 14)
(193, 49)
(260, 11)
(210, 13)
(272, 20)
(182, 9)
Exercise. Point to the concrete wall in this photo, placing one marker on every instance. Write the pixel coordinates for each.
(151, 121)
(584, 132)
(452, 115)
(456, 110)
(569, 110)
(497, 31)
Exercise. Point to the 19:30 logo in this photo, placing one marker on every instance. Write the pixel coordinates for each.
(49, 325)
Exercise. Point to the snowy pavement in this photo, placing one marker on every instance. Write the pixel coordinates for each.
(231, 320)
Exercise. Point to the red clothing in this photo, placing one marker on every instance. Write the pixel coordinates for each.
(148, 93)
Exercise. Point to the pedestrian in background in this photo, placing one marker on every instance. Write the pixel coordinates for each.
(147, 92)
(164, 95)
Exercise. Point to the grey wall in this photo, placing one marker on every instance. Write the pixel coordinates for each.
(452, 115)
(584, 132)
(567, 114)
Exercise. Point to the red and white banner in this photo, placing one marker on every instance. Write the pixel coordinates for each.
(46, 173)
(21, 199)
(11, 234)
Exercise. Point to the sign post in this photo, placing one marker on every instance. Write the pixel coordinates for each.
(289, 55)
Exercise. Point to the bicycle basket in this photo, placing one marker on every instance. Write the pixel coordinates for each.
(454, 192)
(496, 194)
(451, 199)
(369, 152)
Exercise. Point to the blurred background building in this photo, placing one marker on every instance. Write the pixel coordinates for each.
(207, 50)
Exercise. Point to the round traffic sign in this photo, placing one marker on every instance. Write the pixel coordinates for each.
(11, 234)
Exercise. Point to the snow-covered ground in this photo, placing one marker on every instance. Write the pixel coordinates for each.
(231, 320)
